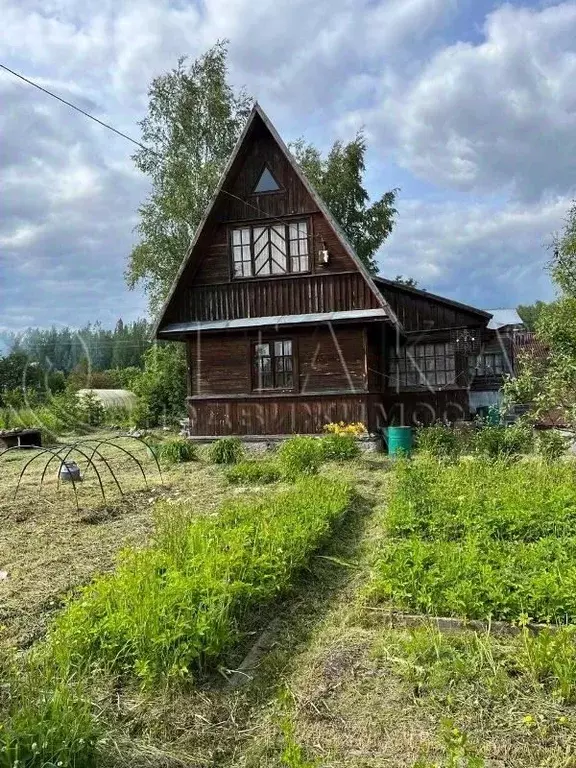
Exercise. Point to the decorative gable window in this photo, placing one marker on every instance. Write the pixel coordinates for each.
(423, 365)
(276, 249)
(273, 365)
(266, 183)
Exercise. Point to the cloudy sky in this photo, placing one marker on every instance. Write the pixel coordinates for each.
(469, 107)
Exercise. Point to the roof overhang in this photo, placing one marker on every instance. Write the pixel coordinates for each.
(178, 330)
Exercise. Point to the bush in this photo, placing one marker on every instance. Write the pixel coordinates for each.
(254, 472)
(552, 445)
(300, 456)
(160, 387)
(226, 450)
(438, 440)
(502, 440)
(340, 447)
(175, 451)
(118, 416)
(91, 410)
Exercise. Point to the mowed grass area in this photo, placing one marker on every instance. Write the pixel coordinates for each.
(48, 547)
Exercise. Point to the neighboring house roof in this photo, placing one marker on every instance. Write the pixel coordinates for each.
(483, 313)
(503, 317)
(110, 398)
(258, 112)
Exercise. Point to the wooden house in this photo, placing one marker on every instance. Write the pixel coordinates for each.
(286, 330)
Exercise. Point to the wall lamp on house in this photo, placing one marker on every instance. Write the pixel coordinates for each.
(323, 254)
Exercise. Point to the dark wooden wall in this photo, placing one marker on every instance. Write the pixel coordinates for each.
(220, 365)
(278, 296)
(304, 414)
(418, 312)
(207, 290)
(410, 409)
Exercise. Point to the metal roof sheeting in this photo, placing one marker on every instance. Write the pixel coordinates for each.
(503, 317)
(273, 320)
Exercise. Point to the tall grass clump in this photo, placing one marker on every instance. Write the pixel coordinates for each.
(299, 456)
(480, 538)
(47, 720)
(340, 447)
(172, 609)
(439, 440)
(496, 440)
(175, 451)
(552, 445)
(226, 450)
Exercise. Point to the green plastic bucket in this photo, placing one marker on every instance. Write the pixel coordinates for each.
(399, 440)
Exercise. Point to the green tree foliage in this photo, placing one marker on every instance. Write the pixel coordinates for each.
(547, 375)
(338, 178)
(161, 386)
(409, 282)
(98, 348)
(563, 264)
(194, 118)
(530, 313)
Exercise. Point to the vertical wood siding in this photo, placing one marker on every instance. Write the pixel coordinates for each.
(325, 362)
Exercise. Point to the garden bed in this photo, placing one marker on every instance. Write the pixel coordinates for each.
(481, 539)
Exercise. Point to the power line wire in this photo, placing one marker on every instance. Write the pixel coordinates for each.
(125, 135)
(73, 106)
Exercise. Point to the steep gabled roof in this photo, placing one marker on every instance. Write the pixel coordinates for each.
(257, 113)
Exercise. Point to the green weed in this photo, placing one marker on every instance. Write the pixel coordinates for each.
(172, 609)
(263, 471)
(494, 440)
(226, 450)
(439, 440)
(552, 445)
(340, 447)
(549, 657)
(300, 456)
(480, 538)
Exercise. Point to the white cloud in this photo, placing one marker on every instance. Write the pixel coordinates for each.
(488, 254)
(500, 115)
(489, 117)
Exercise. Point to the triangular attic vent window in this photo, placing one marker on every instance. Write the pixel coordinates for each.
(266, 183)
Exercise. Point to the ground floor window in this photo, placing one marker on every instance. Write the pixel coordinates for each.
(421, 365)
(274, 365)
(486, 364)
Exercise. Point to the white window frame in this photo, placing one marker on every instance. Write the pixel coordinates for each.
(270, 249)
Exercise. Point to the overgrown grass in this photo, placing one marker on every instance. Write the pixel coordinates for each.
(300, 455)
(175, 451)
(340, 447)
(480, 539)
(226, 450)
(168, 611)
(258, 471)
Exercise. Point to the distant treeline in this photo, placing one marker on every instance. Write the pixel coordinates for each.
(64, 349)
